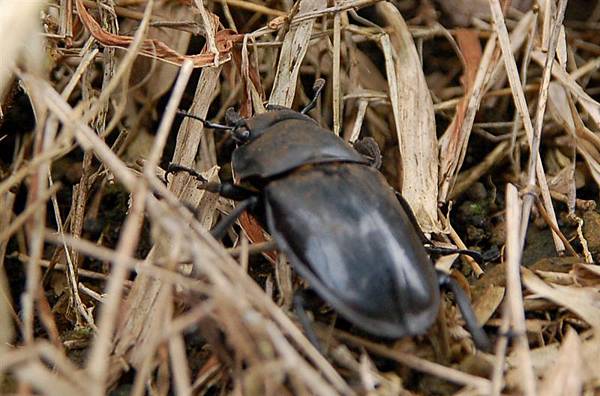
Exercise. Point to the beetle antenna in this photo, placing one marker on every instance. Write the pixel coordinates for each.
(207, 124)
(317, 88)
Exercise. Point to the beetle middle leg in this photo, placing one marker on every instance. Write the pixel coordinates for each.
(222, 226)
(248, 199)
(479, 337)
(431, 249)
(443, 251)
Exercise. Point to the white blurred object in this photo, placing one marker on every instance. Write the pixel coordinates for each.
(21, 41)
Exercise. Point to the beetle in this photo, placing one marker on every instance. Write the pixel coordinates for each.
(342, 226)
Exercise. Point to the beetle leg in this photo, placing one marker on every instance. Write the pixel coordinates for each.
(227, 190)
(274, 107)
(431, 249)
(446, 251)
(230, 190)
(233, 117)
(412, 218)
(221, 228)
(317, 88)
(479, 337)
(174, 168)
(305, 320)
(369, 149)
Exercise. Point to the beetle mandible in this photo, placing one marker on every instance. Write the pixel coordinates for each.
(342, 226)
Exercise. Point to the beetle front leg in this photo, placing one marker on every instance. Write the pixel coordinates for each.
(479, 337)
(369, 149)
(226, 190)
(218, 231)
(174, 168)
(230, 191)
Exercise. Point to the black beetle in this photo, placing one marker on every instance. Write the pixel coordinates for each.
(341, 225)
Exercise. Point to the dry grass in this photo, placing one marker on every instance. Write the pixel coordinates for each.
(110, 281)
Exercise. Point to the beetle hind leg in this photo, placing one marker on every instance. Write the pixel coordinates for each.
(299, 304)
(479, 336)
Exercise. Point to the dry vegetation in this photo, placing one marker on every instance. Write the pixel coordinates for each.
(487, 118)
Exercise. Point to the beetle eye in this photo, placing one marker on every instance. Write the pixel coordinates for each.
(242, 135)
(245, 134)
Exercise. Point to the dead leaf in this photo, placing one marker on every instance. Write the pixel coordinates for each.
(586, 274)
(585, 302)
(588, 142)
(544, 358)
(250, 79)
(293, 50)
(454, 141)
(159, 76)
(591, 106)
(487, 302)
(158, 49)
(415, 122)
(565, 377)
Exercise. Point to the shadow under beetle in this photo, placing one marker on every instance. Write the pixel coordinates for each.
(341, 225)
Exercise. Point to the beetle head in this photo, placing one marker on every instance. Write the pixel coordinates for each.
(274, 117)
(240, 132)
(236, 126)
(244, 130)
